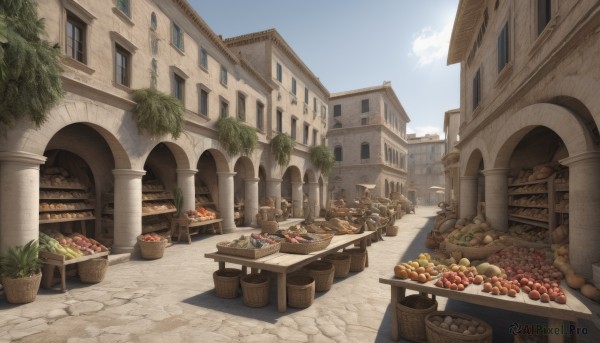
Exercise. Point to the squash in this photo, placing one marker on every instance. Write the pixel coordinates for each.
(560, 234)
(575, 280)
(591, 292)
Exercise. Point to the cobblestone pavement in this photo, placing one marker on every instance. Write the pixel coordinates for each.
(172, 300)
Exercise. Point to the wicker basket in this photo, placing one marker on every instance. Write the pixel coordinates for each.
(21, 290)
(470, 252)
(391, 230)
(92, 271)
(255, 290)
(151, 250)
(223, 248)
(341, 262)
(322, 272)
(358, 259)
(227, 282)
(300, 291)
(269, 226)
(306, 248)
(436, 334)
(411, 312)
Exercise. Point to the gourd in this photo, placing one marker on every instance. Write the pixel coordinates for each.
(590, 291)
(560, 234)
(575, 280)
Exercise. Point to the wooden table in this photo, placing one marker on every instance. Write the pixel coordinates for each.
(556, 313)
(282, 263)
(51, 261)
(185, 224)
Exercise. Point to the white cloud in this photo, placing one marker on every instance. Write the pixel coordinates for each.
(423, 130)
(430, 45)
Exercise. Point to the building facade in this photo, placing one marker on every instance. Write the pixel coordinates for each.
(425, 170)
(451, 158)
(367, 133)
(529, 80)
(92, 135)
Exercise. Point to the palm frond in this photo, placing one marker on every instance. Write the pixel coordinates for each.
(19, 262)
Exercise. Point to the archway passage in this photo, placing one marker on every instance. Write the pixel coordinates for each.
(245, 192)
(291, 191)
(75, 182)
(472, 185)
(207, 182)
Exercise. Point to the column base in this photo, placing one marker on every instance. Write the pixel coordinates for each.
(122, 250)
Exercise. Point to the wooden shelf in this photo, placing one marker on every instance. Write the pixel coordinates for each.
(153, 190)
(528, 193)
(530, 182)
(68, 210)
(80, 188)
(528, 220)
(66, 199)
(62, 220)
(157, 199)
(144, 214)
(530, 206)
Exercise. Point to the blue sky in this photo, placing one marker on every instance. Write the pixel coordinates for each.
(352, 44)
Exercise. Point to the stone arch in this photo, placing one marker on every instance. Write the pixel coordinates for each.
(387, 188)
(310, 175)
(114, 128)
(473, 162)
(562, 121)
(246, 167)
(221, 160)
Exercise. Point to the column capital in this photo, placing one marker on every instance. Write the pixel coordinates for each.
(22, 157)
(297, 183)
(591, 156)
(467, 178)
(128, 172)
(312, 183)
(190, 172)
(274, 180)
(226, 173)
(496, 171)
(252, 179)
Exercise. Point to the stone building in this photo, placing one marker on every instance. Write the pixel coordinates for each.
(425, 169)
(451, 157)
(92, 135)
(367, 133)
(529, 79)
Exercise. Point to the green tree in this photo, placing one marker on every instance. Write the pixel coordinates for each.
(30, 69)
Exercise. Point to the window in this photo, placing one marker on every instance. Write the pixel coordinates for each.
(241, 106)
(279, 73)
(224, 110)
(314, 140)
(476, 89)
(177, 36)
(385, 151)
(223, 76)
(337, 110)
(178, 87)
(338, 153)
(503, 57)
(323, 112)
(203, 58)
(293, 129)
(204, 102)
(260, 110)
(315, 104)
(305, 134)
(294, 86)
(544, 14)
(279, 121)
(124, 6)
(365, 105)
(153, 21)
(365, 152)
(306, 95)
(122, 66)
(76, 44)
(364, 121)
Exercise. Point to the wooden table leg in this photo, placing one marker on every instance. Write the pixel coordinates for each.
(281, 292)
(221, 265)
(397, 295)
(63, 282)
(253, 270)
(555, 323)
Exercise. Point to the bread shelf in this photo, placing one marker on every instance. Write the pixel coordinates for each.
(63, 220)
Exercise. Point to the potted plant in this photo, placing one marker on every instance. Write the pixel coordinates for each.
(282, 146)
(322, 158)
(236, 137)
(20, 270)
(157, 113)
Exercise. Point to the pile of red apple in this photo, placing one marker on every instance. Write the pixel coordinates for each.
(456, 281)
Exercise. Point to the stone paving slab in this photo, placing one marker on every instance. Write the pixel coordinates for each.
(172, 300)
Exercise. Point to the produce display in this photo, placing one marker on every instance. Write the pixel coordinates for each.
(157, 195)
(66, 215)
(148, 207)
(538, 172)
(536, 188)
(254, 241)
(422, 270)
(333, 226)
(44, 206)
(529, 233)
(539, 200)
(48, 194)
(201, 214)
(59, 181)
(460, 325)
(477, 235)
(76, 245)
(536, 213)
(152, 237)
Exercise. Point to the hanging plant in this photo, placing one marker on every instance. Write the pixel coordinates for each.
(236, 137)
(282, 146)
(158, 113)
(322, 158)
(30, 83)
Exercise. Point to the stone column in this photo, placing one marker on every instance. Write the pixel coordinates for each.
(448, 187)
(314, 198)
(584, 202)
(468, 196)
(297, 199)
(186, 182)
(128, 209)
(496, 197)
(20, 199)
(274, 191)
(251, 201)
(226, 200)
